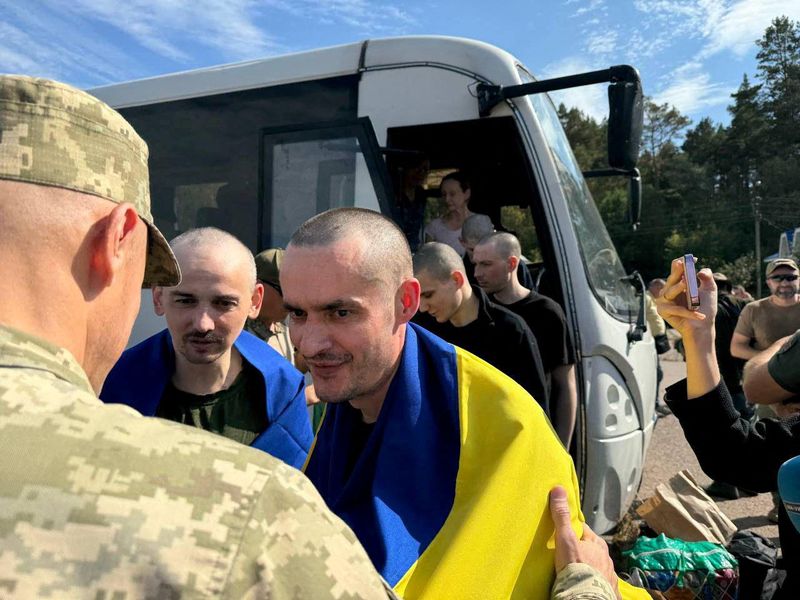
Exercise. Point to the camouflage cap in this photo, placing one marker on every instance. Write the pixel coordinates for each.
(268, 266)
(53, 134)
(781, 262)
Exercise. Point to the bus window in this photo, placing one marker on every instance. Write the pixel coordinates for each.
(308, 171)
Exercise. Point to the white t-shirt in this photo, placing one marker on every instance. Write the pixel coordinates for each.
(439, 232)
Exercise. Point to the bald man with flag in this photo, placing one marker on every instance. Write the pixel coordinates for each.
(439, 463)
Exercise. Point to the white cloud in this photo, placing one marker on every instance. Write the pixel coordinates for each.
(602, 43)
(592, 100)
(692, 89)
(362, 14)
(591, 6)
(37, 41)
(694, 18)
(743, 22)
(167, 27)
(92, 38)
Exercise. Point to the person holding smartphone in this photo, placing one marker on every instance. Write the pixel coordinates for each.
(728, 447)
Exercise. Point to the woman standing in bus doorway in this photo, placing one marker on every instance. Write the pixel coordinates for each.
(456, 190)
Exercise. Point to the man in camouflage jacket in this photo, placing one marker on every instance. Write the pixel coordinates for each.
(97, 501)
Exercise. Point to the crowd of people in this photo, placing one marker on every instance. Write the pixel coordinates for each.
(188, 465)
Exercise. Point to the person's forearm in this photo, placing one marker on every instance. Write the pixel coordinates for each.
(743, 351)
(565, 395)
(579, 581)
(759, 386)
(702, 371)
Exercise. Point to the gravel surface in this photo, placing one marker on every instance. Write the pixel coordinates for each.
(669, 453)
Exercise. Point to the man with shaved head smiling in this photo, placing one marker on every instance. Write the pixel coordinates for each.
(203, 370)
(434, 458)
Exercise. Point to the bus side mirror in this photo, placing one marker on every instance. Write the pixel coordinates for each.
(625, 117)
(635, 199)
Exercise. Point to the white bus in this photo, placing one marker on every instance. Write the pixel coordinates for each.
(257, 148)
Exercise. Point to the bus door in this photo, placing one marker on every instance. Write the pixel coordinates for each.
(492, 154)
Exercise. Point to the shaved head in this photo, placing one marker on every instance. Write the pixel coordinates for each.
(505, 244)
(386, 256)
(437, 260)
(475, 228)
(222, 243)
(349, 288)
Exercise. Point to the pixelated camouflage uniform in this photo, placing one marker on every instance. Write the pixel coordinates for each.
(578, 581)
(97, 501)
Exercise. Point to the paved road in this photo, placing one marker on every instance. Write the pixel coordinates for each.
(669, 453)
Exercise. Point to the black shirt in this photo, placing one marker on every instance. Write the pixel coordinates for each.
(731, 449)
(730, 367)
(358, 441)
(546, 320)
(502, 339)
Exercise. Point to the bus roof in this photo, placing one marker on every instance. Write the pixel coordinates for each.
(467, 55)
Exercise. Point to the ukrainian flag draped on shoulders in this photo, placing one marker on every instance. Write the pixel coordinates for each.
(449, 495)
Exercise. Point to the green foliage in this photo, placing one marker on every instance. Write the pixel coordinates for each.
(740, 271)
(519, 221)
(779, 70)
(704, 185)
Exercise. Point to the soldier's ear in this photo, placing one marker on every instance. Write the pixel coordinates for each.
(158, 300)
(114, 245)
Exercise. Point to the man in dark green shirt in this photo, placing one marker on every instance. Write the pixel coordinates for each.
(203, 370)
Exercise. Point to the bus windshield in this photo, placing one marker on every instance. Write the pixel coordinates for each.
(601, 262)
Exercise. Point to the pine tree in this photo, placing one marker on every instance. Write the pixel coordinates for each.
(663, 125)
(779, 71)
(745, 146)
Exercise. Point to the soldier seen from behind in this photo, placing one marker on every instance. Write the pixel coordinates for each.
(97, 501)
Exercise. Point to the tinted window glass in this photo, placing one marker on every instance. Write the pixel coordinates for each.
(204, 152)
(308, 171)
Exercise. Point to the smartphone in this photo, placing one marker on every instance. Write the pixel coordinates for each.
(690, 276)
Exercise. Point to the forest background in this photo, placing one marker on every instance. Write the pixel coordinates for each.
(708, 186)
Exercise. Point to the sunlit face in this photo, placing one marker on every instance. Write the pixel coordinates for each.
(441, 299)
(207, 311)
(454, 197)
(781, 287)
(348, 329)
(492, 272)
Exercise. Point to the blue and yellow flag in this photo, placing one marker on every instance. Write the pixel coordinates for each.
(449, 492)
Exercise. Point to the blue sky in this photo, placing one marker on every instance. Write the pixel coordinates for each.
(691, 53)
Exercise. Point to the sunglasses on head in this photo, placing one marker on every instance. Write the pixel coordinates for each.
(784, 277)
